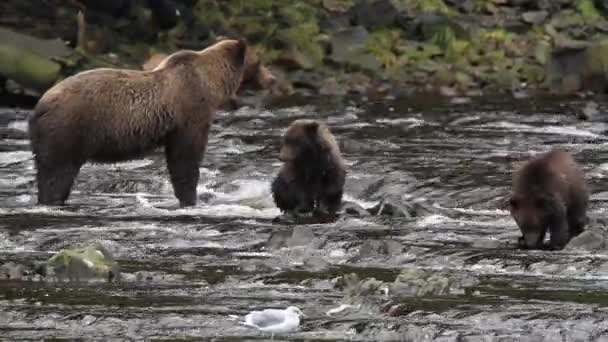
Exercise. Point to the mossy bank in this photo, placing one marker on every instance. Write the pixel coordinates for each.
(329, 47)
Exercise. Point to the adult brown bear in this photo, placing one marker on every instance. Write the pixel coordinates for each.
(311, 179)
(549, 193)
(110, 115)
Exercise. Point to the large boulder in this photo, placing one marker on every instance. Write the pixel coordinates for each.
(579, 68)
(373, 14)
(349, 47)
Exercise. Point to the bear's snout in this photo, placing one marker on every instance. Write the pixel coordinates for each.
(268, 80)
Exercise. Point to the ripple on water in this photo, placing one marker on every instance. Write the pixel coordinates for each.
(188, 269)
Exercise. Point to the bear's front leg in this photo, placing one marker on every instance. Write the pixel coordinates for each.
(331, 192)
(289, 198)
(184, 151)
(55, 181)
(558, 228)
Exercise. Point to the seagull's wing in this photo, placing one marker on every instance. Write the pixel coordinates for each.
(265, 318)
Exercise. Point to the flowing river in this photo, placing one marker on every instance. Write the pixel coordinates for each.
(190, 274)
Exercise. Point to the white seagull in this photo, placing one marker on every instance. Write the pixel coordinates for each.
(275, 321)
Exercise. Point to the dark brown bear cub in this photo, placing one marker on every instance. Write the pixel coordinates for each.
(111, 115)
(311, 179)
(549, 193)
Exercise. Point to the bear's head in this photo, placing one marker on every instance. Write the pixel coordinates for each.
(305, 141)
(256, 75)
(532, 211)
(233, 51)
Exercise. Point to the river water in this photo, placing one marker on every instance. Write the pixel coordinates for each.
(187, 273)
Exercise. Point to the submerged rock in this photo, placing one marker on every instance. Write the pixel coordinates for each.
(354, 209)
(590, 111)
(416, 282)
(390, 207)
(13, 271)
(84, 263)
(379, 248)
(592, 240)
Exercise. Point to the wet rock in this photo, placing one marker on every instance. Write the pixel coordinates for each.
(13, 271)
(157, 277)
(331, 87)
(416, 282)
(447, 91)
(375, 248)
(354, 209)
(426, 26)
(373, 14)
(576, 69)
(298, 236)
(337, 6)
(534, 17)
(394, 310)
(89, 262)
(592, 240)
(302, 79)
(349, 47)
(358, 83)
(293, 59)
(466, 6)
(335, 23)
(357, 288)
(590, 111)
(390, 207)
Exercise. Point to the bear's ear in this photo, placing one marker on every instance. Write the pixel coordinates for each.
(312, 127)
(241, 52)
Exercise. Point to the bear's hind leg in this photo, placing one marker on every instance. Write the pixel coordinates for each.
(55, 182)
(290, 198)
(577, 219)
(330, 203)
(558, 227)
(184, 152)
(283, 195)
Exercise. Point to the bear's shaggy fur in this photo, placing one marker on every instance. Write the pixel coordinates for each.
(312, 176)
(549, 193)
(112, 115)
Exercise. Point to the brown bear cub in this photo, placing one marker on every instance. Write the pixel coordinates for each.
(311, 179)
(110, 115)
(549, 193)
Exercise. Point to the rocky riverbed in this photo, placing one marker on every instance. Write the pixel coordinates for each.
(326, 47)
(426, 252)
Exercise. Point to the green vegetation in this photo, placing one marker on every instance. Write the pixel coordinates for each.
(482, 43)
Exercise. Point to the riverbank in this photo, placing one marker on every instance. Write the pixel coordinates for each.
(326, 47)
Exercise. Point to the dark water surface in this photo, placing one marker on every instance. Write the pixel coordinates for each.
(186, 271)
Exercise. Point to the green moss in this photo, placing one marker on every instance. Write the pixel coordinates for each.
(383, 44)
(458, 51)
(208, 13)
(304, 37)
(482, 5)
(298, 12)
(588, 10)
(251, 6)
(498, 36)
(425, 6)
